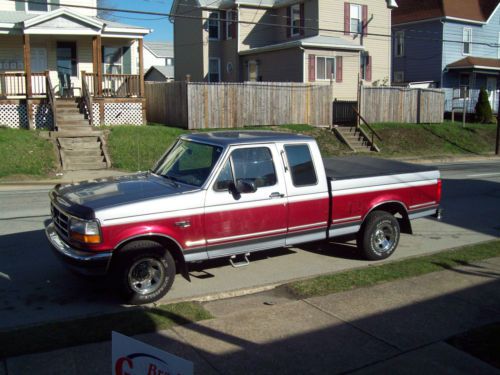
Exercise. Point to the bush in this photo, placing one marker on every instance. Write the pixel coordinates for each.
(483, 108)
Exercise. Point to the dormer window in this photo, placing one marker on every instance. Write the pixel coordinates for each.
(39, 6)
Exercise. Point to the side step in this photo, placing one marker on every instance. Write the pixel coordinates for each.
(245, 262)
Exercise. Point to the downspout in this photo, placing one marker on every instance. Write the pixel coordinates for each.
(303, 64)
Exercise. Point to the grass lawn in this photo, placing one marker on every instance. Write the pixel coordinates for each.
(63, 334)
(430, 140)
(373, 275)
(22, 153)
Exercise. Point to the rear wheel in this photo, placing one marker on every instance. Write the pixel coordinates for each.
(146, 272)
(379, 235)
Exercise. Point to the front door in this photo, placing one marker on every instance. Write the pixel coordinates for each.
(66, 67)
(253, 219)
(491, 86)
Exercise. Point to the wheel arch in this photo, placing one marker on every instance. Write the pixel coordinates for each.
(394, 207)
(167, 242)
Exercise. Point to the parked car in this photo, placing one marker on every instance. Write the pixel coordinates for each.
(228, 194)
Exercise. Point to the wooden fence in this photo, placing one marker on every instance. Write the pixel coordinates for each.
(397, 104)
(194, 105)
(343, 112)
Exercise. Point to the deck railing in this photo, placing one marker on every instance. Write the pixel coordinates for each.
(114, 85)
(87, 97)
(12, 84)
(52, 98)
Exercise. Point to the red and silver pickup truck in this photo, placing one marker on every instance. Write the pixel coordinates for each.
(228, 194)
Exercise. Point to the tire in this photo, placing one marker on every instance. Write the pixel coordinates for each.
(379, 235)
(145, 272)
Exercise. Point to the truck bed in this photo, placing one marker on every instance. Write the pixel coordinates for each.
(343, 168)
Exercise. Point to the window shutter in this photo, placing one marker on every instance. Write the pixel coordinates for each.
(368, 68)
(127, 61)
(347, 18)
(364, 11)
(302, 19)
(288, 22)
(312, 68)
(338, 76)
(222, 23)
(234, 25)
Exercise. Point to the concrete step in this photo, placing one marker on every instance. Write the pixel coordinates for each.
(70, 116)
(72, 144)
(82, 152)
(68, 133)
(97, 159)
(73, 122)
(84, 166)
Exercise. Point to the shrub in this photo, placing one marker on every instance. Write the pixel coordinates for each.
(483, 108)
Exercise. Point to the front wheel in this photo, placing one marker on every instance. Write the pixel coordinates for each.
(379, 235)
(147, 274)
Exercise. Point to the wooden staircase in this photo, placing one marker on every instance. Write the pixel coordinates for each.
(81, 147)
(355, 138)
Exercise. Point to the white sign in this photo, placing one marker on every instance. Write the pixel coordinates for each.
(132, 357)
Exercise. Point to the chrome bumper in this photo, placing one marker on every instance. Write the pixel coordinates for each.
(84, 262)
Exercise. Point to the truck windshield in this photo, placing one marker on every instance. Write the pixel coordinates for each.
(189, 162)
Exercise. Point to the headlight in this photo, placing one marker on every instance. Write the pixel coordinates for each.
(85, 231)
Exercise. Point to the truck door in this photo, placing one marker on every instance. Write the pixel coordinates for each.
(254, 217)
(307, 189)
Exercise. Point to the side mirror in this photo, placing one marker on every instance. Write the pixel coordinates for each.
(246, 186)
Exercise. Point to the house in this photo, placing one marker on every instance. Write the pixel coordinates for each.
(52, 55)
(453, 44)
(319, 41)
(159, 54)
(159, 73)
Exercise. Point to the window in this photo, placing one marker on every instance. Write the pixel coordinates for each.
(66, 59)
(189, 162)
(464, 82)
(230, 16)
(214, 69)
(467, 39)
(295, 19)
(356, 19)
(400, 43)
(112, 59)
(253, 71)
(213, 26)
(399, 77)
(364, 64)
(325, 68)
(251, 164)
(38, 6)
(301, 165)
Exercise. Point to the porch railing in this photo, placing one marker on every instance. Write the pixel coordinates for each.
(87, 97)
(52, 98)
(114, 85)
(12, 84)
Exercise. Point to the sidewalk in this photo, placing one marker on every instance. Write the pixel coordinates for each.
(396, 328)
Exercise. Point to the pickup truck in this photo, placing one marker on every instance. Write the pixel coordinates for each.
(228, 194)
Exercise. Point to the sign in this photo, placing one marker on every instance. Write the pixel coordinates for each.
(132, 357)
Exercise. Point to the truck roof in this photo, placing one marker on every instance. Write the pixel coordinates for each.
(227, 138)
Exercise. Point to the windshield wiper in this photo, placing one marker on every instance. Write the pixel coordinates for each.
(171, 179)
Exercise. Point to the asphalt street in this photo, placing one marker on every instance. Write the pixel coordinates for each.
(34, 287)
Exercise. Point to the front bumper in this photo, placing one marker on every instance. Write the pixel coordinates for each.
(83, 262)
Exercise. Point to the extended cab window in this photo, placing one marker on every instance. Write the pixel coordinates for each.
(189, 162)
(301, 165)
(251, 164)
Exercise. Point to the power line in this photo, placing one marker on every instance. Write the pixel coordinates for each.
(170, 15)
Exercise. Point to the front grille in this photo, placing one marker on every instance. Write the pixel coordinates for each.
(61, 220)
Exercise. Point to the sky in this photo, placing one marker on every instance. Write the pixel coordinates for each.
(161, 25)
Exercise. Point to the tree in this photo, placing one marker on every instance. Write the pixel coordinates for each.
(483, 108)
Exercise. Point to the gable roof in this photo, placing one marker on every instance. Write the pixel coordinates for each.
(419, 10)
(160, 49)
(165, 71)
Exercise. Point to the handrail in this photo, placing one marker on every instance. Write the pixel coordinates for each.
(367, 124)
(51, 96)
(87, 98)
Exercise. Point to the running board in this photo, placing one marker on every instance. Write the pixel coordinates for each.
(245, 262)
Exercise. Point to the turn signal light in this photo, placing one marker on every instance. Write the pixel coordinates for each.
(85, 238)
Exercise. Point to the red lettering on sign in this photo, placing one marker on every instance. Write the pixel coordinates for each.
(119, 365)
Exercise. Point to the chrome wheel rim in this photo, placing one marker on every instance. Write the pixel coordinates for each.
(384, 238)
(146, 275)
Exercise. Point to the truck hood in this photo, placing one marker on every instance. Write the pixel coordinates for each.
(83, 199)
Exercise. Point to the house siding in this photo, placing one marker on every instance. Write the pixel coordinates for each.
(348, 88)
(258, 35)
(189, 44)
(421, 60)
(11, 6)
(276, 66)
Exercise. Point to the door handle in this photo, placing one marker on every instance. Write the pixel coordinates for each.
(276, 195)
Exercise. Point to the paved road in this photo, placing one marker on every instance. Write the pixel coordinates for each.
(34, 287)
